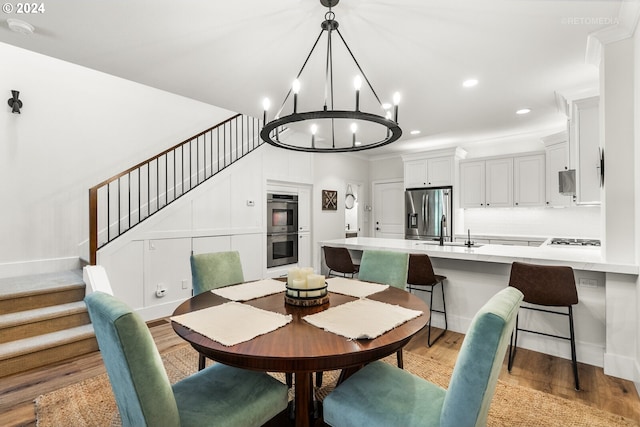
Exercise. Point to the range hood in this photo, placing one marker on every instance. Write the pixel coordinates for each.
(567, 182)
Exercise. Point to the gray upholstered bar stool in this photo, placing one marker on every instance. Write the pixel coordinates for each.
(339, 260)
(547, 286)
(422, 278)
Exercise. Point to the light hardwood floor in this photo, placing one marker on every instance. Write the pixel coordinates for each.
(535, 370)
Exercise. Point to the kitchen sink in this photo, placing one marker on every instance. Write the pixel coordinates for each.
(436, 243)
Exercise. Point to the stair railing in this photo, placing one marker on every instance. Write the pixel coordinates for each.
(123, 201)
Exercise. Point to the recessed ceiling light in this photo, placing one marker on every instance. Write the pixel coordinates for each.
(470, 82)
(415, 132)
(523, 111)
(18, 26)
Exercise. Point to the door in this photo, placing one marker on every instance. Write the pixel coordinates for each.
(388, 210)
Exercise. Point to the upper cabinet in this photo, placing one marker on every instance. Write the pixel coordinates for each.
(585, 140)
(529, 180)
(503, 181)
(431, 169)
(472, 183)
(557, 160)
(499, 182)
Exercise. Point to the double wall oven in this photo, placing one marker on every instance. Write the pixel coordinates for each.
(282, 229)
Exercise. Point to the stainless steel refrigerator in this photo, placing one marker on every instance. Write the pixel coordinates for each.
(429, 214)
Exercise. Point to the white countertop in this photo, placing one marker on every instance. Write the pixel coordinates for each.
(579, 258)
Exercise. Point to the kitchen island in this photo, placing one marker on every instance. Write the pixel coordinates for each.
(605, 318)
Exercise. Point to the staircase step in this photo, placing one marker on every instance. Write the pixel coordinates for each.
(40, 290)
(33, 352)
(29, 323)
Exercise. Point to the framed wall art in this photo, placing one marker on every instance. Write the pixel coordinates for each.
(329, 200)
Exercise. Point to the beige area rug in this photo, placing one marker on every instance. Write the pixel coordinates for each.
(91, 402)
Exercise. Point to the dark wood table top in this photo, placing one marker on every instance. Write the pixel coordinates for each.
(301, 348)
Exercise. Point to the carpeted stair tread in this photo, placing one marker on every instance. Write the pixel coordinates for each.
(31, 345)
(12, 287)
(41, 314)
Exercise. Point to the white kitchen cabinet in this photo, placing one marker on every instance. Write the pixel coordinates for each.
(431, 169)
(499, 182)
(304, 209)
(304, 250)
(503, 181)
(556, 160)
(472, 183)
(415, 173)
(585, 138)
(529, 180)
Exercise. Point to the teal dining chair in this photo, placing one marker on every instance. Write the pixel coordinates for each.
(386, 267)
(219, 395)
(389, 268)
(382, 395)
(214, 270)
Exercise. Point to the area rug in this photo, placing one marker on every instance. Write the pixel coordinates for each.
(91, 402)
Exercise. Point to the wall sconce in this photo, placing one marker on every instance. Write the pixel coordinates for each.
(14, 102)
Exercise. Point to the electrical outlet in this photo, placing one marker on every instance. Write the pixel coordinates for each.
(588, 283)
(185, 284)
(161, 291)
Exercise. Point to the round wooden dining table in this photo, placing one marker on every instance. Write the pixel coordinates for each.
(301, 348)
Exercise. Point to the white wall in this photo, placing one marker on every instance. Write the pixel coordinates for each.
(387, 168)
(77, 128)
(582, 221)
(334, 172)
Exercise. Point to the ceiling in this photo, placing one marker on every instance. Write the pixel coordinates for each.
(233, 54)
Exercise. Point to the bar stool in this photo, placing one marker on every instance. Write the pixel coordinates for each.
(550, 286)
(338, 260)
(422, 278)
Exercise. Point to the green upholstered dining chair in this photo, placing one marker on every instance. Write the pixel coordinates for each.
(219, 395)
(386, 267)
(214, 270)
(389, 268)
(382, 395)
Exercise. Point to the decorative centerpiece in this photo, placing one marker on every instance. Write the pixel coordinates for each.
(304, 288)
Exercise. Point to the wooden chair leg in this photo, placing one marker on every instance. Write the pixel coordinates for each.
(319, 379)
(400, 360)
(289, 379)
(201, 361)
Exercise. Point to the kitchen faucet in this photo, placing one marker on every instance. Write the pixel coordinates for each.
(443, 225)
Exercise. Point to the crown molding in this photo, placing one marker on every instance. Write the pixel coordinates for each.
(627, 22)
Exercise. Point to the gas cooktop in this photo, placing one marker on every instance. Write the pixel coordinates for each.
(574, 242)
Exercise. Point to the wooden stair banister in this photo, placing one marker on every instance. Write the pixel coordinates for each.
(220, 145)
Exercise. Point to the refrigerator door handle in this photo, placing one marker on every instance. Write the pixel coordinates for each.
(425, 212)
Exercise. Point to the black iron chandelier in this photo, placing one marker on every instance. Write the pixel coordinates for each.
(330, 129)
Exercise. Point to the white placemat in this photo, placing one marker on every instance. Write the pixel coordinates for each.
(251, 290)
(232, 322)
(353, 287)
(362, 318)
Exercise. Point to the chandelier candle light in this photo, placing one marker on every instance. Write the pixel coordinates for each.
(329, 133)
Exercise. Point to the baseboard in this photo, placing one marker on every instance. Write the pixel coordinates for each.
(39, 266)
(158, 311)
(622, 367)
